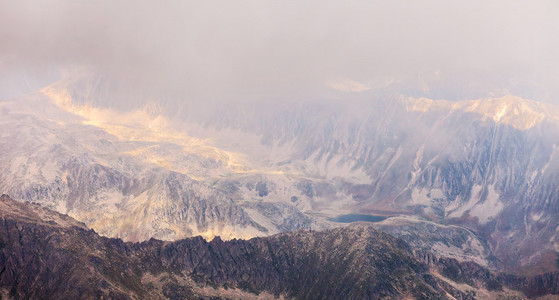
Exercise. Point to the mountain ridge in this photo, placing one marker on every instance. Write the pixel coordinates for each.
(302, 264)
(42, 258)
(301, 166)
(520, 113)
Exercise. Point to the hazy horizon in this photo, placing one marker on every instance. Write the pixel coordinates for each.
(275, 51)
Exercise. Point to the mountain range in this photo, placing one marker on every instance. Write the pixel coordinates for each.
(47, 255)
(472, 180)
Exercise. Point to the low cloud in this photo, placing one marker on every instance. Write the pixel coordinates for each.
(269, 51)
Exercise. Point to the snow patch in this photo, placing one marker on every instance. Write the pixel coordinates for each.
(458, 253)
(554, 240)
(416, 162)
(330, 167)
(419, 197)
(488, 209)
(457, 209)
(536, 216)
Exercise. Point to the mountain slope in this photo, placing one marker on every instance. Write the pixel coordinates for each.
(46, 255)
(58, 258)
(488, 166)
(136, 185)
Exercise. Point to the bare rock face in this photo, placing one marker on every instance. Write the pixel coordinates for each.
(447, 241)
(47, 255)
(135, 180)
(470, 275)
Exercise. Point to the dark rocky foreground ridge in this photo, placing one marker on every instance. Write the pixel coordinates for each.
(47, 255)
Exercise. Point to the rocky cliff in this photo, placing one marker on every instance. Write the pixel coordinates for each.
(47, 255)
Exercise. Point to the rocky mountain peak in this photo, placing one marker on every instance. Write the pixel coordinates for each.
(517, 112)
(35, 213)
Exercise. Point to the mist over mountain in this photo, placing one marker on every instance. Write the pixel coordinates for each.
(195, 52)
(242, 170)
(255, 124)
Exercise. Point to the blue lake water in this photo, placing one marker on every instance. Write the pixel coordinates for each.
(356, 218)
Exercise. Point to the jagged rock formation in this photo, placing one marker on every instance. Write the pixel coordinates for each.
(471, 275)
(446, 241)
(47, 255)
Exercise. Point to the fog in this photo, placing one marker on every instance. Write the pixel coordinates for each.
(195, 51)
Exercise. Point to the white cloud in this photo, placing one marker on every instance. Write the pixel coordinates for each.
(275, 49)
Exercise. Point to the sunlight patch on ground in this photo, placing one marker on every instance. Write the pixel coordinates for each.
(141, 126)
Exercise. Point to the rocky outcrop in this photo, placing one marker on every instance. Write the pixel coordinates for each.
(443, 240)
(47, 259)
(46, 255)
(474, 275)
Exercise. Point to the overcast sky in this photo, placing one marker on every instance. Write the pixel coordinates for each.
(200, 50)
